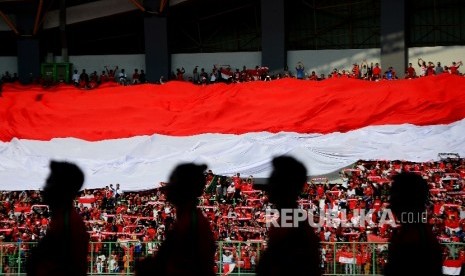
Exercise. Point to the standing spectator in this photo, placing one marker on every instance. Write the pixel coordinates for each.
(180, 74)
(300, 70)
(364, 70)
(313, 76)
(104, 77)
(117, 192)
(93, 80)
(142, 77)
(454, 68)
(244, 74)
(213, 75)
(438, 70)
(113, 264)
(75, 78)
(237, 76)
(423, 67)
(84, 79)
(291, 250)
(203, 76)
(335, 73)
(111, 73)
(376, 72)
(189, 248)
(196, 75)
(136, 77)
(63, 251)
(410, 72)
(430, 71)
(413, 249)
(355, 71)
(6, 77)
(122, 77)
(390, 74)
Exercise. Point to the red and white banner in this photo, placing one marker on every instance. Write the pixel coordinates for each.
(228, 268)
(346, 258)
(376, 239)
(452, 267)
(135, 135)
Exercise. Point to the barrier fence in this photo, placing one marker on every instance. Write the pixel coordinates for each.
(232, 258)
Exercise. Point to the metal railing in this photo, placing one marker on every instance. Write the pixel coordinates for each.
(111, 258)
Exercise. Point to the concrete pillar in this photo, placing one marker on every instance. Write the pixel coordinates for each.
(393, 49)
(274, 54)
(157, 56)
(28, 48)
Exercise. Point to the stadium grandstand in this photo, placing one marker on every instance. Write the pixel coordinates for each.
(358, 91)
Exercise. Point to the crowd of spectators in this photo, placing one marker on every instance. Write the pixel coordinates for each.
(364, 71)
(7, 77)
(226, 74)
(84, 80)
(237, 211)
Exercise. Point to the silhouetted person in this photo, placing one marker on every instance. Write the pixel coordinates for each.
(189, 247)
(63, 250)
(413, 249)
(291, 250)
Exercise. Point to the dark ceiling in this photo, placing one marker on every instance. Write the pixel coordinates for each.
(197, 25)
(235, 25)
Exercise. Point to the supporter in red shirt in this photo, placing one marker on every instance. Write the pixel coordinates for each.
(111, 73)
(376, 72)
(313, 76)
(135, 77)
(320, 191)
(104, 77)
(454, 67)
(180, 74)
(430, 70)
(335, 73)
(355, 71)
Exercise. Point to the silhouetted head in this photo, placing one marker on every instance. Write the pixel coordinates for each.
(186, 184)
(63, 183)
(286, 181)
(409, 193)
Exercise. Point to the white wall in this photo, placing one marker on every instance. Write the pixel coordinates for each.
(9, 64)
(324, 61)
(207, 60)
(443, 54)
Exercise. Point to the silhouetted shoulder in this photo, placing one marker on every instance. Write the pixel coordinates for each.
(414, 250)
(291, 251)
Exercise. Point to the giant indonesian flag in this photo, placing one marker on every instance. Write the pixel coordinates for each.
(135, 135)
